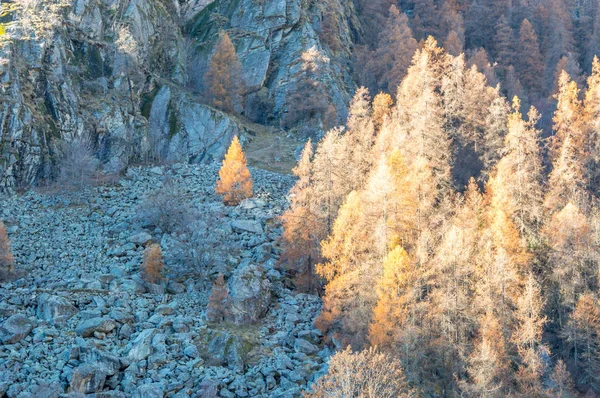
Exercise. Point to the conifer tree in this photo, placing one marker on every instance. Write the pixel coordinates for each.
(7, 261)
(396, 47)
(223, 79)
(235, 182)
(528, 338)
(517, 181)
(568, 234)
(488, 363)
(503, 46)
(453, 44)
(218, 302)
(592, 119)
(382, 108)
(396, 292)
(153, 264)
(358, 140)
(302, 234)
(529, 59)
(583, 333)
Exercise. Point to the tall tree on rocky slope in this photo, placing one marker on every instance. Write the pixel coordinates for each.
(7, 261)
(235, 182)
(223, 79)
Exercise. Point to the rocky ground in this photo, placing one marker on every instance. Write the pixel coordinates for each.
(82, 321)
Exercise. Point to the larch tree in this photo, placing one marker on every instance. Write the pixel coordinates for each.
(570, 240)
(453, 44)
(528, 338)
(223, 79)
(368, 373)
(348, 298)
(153, 264)
(302, 233)
(358, 140)
(517, 181)
(396, 47)
(592, 119)
(529, 63)
(235, 182)
(582, 332)
(488, 368)
(7, 261)
(503, 46)
(218, 306)
(396, 291)
(382, 108)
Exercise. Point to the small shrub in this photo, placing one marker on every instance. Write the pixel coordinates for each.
(77, 166)
(153, 264)
(7, 261)
(218, 302)
(165, 208)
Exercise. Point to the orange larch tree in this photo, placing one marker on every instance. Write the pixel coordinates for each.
(153, 264)
(235, 181)
(7, 261)
(223, 79)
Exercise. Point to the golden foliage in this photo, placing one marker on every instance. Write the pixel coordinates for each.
(7, 261)
(153, 264)
(235, 182)
(218, 302)
(366, 374)
(223, 78)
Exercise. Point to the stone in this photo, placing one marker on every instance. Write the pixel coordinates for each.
(164, 309)
(153, 390)
(55, 310)
(251, 226)
(303, 346)
(88, 378)
(142, 347)
(15, 329)
(249, 293)
(140, 239)
(87, 327)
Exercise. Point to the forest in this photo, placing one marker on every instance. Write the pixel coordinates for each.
(441, 228)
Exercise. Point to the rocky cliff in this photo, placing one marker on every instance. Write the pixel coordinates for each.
(129, 75)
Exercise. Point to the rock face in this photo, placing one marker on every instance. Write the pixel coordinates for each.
(132, 86)
(250, 294)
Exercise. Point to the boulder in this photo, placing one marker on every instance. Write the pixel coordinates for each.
(305, 347)
(88, 378)
(249, 293)
(140, 239)
(251, 226)
(142, 345)
(15, 329)
(225, 349)
(89, 326)
(55, 310)
(153, 390)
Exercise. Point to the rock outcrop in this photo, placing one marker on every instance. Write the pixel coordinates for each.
(128, 74)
